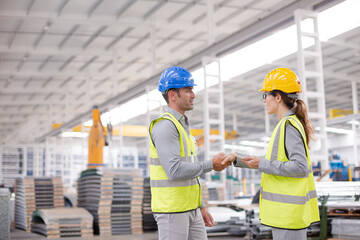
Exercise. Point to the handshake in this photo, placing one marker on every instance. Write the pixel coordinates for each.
(222, 160)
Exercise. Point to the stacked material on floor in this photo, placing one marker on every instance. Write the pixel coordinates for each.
(148, 221)
(4, 213)
(216, 193)
(257, 231)
(62, 222)
(338, 191)
(345, 228)
(213, 194)
(344, 208)
(114, 198)
(204, 193)
(36, 193)
(314, 230)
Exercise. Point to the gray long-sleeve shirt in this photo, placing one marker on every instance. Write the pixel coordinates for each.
(166, 140)
(297, 164)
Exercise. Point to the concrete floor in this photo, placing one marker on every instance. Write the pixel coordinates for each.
(17, 234)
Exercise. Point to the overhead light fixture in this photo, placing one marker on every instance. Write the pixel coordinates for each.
(336, 130)
(252, 143)
(47, 26)
(239, 148)
(353, 121)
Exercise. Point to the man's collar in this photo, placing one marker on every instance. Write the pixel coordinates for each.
(175, 113)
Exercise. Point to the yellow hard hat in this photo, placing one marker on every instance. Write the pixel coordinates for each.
(282, 79)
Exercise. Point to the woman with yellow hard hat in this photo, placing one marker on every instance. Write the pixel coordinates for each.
(288, 200)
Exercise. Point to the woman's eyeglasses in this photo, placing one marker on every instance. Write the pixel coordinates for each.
(265, 94)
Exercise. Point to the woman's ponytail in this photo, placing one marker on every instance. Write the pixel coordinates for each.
(301, 112)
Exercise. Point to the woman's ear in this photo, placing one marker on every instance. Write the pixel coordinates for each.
(278, 98)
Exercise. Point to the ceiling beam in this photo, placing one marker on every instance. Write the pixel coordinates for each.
(126, 52)
(242, 38)
(124, 8)
(114, 24)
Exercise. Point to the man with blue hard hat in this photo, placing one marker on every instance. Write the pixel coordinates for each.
(174, 168)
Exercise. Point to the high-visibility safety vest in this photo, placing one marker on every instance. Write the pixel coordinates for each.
(287, 202)
(178, 195)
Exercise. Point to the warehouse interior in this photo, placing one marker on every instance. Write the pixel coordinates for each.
(63, 63)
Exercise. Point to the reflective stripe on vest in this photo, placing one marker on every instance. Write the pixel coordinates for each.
(287, 202)
(284, 198)
(178, 195)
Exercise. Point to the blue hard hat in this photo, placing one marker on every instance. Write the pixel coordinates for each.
(175, 77)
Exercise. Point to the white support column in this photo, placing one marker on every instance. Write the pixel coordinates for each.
(54, 148)
(35, 161)
(47, 157)
(354, 128)
(121, 147)
(234, 120)
(1, 163)
(64, 158)
(267, 127)
(313, 74)
(70, 155)
(25, 161)
(214, 114)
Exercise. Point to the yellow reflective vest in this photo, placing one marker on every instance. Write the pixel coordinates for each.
(287, 202)
(178, 195)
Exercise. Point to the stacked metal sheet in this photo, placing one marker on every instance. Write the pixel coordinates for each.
(11, 162)
(257, 231)
(213, 194)
(33, 194)
(148, 221)
(4, 213)
(345, 228)
(114, 197)
(62, 222)
(204, 193)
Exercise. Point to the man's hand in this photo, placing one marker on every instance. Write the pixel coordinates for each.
(208, 219)
(229, 159)
(217, 160)
(252, 162)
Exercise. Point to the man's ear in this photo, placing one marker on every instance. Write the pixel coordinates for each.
(171, 94)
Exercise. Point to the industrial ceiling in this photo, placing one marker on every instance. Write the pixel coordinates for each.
(59, 58)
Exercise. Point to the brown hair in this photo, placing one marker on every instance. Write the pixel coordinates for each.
(166, 96)
(300, 110)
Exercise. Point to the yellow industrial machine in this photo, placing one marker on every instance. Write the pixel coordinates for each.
(96, 141)
(333, 113)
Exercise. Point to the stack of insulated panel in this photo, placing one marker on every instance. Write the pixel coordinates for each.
(62, 222)
(213, 194)
(4, 213)
(114, 197)
(149, 222)
(33, 194)
(257, 230)
(204, 193)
